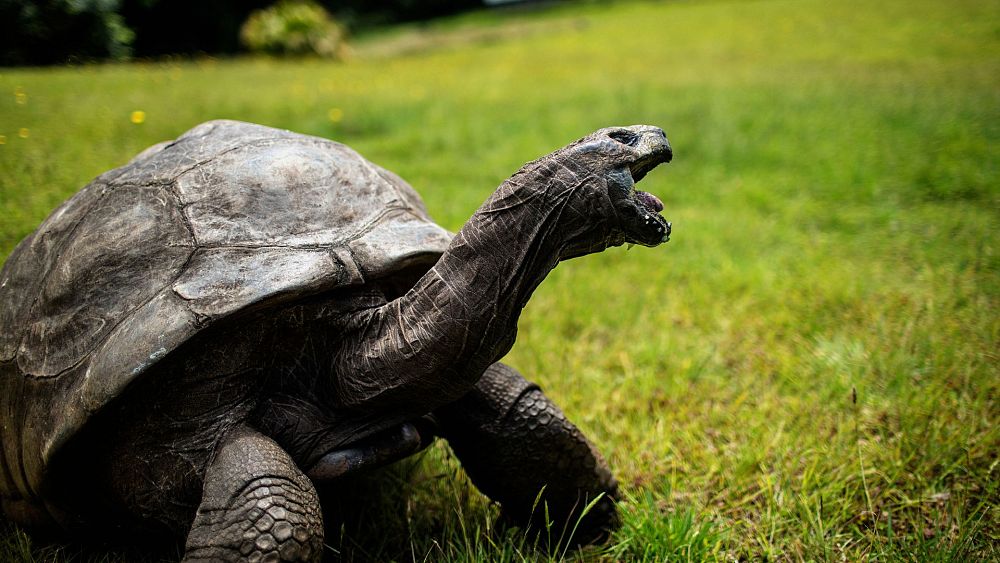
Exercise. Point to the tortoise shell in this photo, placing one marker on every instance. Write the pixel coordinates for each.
(229, 216)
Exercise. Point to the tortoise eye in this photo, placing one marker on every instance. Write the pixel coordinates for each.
(625, 137)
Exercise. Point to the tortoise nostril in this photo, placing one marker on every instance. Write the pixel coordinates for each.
(625, 137)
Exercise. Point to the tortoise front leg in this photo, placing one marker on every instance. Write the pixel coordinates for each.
(513, 441)
(256, 506)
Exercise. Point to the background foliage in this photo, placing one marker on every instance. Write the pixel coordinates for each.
(294, 27)
(58, 31)
(807, 371)
(40, 32)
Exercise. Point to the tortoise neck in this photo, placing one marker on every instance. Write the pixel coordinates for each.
(534, 220)
(430, 346)
(500, 257)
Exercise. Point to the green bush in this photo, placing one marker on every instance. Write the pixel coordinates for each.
(294, 27)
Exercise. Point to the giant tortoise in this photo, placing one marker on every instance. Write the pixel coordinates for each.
(194, 340)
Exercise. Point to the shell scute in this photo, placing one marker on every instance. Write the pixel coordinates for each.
(299, 192)
(221, 281)
(129, 246)
(31, 262)
(162, 163)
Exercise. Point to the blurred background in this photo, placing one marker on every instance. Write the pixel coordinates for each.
(61, 31)
(807, 371)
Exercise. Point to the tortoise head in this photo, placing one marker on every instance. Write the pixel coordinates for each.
(616, 158)
(590, 186)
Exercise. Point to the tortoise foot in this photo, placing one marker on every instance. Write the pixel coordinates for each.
(257, 506)
(521, 451)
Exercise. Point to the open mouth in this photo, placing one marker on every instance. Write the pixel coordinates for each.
(643, 223)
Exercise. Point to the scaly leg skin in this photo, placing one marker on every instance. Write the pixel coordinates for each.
(513, 441)
(256, 506)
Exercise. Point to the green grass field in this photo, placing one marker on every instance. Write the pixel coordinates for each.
(809, 370)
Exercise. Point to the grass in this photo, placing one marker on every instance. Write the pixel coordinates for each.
(807, 371)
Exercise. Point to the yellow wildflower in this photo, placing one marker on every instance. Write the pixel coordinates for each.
(23, 132)
(335, 114)
(138, 116)
(3, 139)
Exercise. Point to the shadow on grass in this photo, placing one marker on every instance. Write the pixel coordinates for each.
(411, 511)
(17, 546)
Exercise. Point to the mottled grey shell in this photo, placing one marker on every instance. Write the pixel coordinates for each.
(229, 216)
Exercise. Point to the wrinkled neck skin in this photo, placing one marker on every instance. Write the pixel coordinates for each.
(533, 221)
(430, 346)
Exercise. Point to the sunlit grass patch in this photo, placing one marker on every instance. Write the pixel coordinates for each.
(655, 529)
